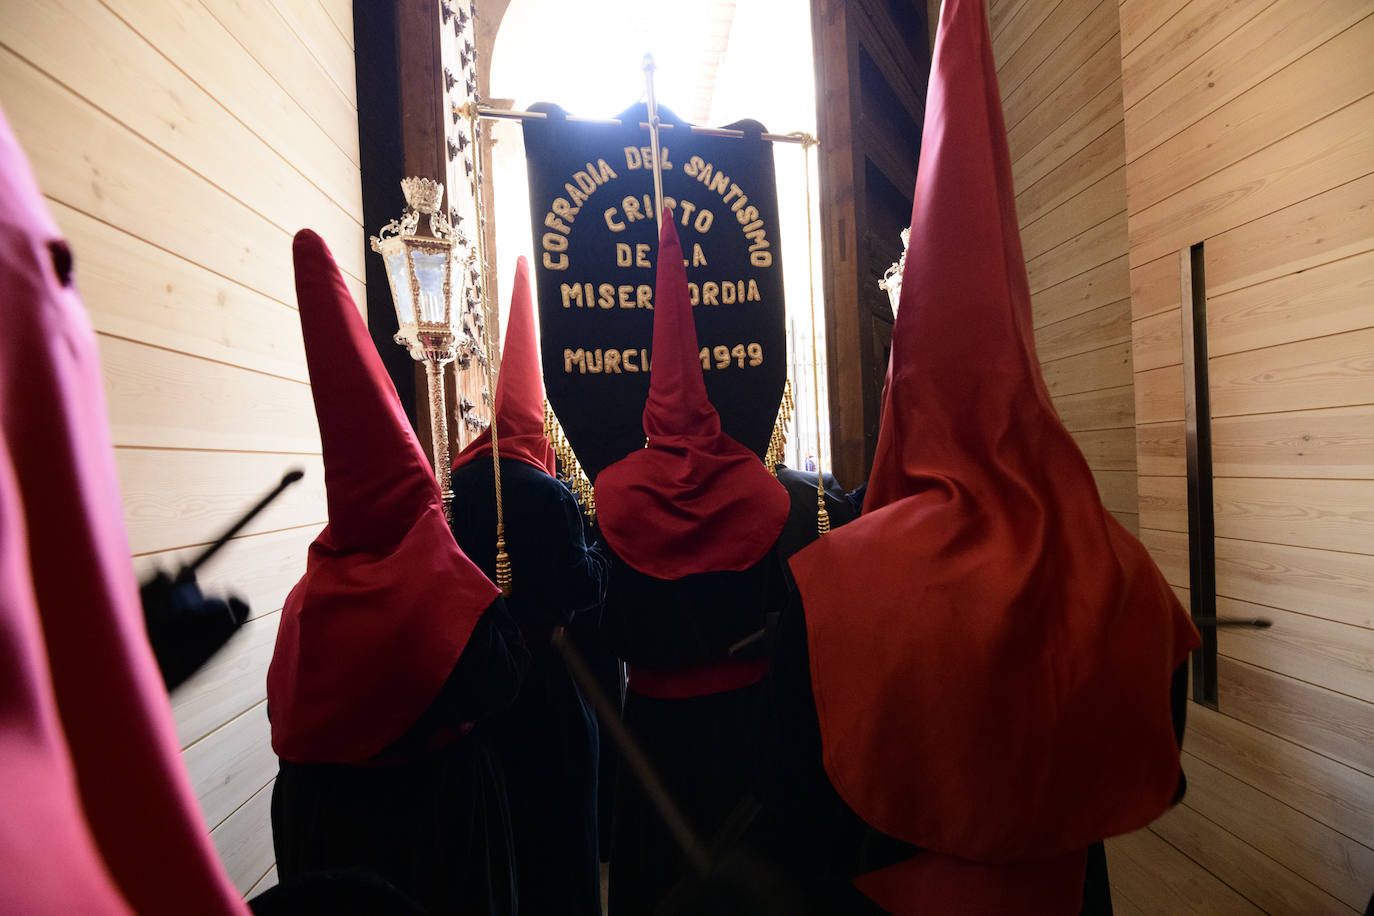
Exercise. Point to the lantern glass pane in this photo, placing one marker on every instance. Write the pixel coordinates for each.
(400, 285)
(430, 273)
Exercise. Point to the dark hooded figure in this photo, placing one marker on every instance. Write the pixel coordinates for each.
(547, 740)
(97, 815)
(985, 693)
(392, 649)
(692, 519)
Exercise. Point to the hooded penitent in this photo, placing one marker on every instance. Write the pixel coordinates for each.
(996, 689)
(98, 814)
(388, 600)
(693, 500)
(519, 389)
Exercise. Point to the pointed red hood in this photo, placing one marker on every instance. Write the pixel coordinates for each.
(376, 477)
(519, 389)
(694, 500)
(388, 600)
(99, 815)
(997, 687)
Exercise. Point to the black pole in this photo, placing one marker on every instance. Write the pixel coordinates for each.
(286, 481)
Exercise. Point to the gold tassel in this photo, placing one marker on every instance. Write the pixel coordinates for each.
(503, 577)
(822, 516)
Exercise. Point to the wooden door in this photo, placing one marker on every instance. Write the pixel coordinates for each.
(872, 62)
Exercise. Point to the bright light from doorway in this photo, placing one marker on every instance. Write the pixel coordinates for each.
(717, 61)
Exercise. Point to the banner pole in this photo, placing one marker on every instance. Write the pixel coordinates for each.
(652, 110)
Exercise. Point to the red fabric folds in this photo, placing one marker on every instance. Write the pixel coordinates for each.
(694, 499)
(519, 389)
(388, 600)
(946, 886)
(996, 686)
(98, 813)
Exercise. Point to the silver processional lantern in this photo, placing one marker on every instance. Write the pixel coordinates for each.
(420, 271)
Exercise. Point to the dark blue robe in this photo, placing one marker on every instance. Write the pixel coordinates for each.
(429, 815)
(586, 635)
(547, 740)
(702, 747)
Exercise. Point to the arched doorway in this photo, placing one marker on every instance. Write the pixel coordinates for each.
(716, 62)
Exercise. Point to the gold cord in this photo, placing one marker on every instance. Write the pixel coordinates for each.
(822, 515)
(503, 571)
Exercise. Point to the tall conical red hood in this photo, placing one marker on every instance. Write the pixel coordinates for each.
(998, 687)
(388, 600)
(519, 389)
(99, 815)
(969, 321)
(376, 476)
(678, 407)
(694, 500)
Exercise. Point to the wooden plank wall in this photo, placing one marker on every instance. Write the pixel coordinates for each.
(180, 144)
(1060, 77)
(1138, 128)
(1249, 126)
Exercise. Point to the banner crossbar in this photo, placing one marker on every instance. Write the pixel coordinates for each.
(508, 114)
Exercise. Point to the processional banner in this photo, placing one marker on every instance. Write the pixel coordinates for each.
(595, 248)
